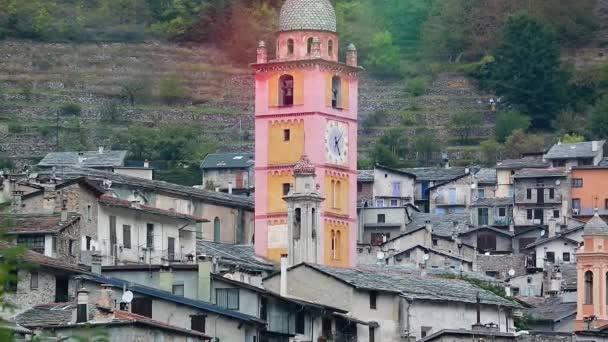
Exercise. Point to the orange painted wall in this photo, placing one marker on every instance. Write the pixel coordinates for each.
(276, 204)
(595, 185)
(281, 151)
(340, 258)
(298, 88)
(340, 204)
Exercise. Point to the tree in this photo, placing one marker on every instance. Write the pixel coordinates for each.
(447, 32)
(527, 69)
(519, 143)
(507, 122)
(171, 89)
(465, 124)
(390, 148)
(598, 123)
(70, 109)
(136, 90)
(384, 59)
(425, 145)
(490, 151)
(572, 139)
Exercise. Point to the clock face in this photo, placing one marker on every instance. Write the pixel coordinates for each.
(336, 143)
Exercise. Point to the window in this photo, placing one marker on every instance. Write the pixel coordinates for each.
(493, 274)
(486, 242)
(502, 212)
(54, 244)
(378, 239)
(326, 327)
(576, 203)
(555, 213)
(550, 256)
(297, 222)
(126, 236)
(286, 187)
(566, 257)
(150, 235)
(381, 218)
(336, 92)
(481, 193)
(227, 298)
(34, 280)
(217, 230)
(551, 193)
(577, 182)
(394, 203)
(142, 306)
(397, 189)
(112, 228)
(372, 334)
(529, 214)
(264, 309)
(330, 48)
(379, 203)
(286, 135)
(528, 193)
(71, 247)
(606, 203)
(89, 218)
(589, 287)
(425, 331)
(178, 289)
(286, 91)
(359, 187)
(373, 297)
(171, 248)
(435, 242)
(309, 46)
(35, 243)
(290, 46)
(338, 245)
(483, 216)
(88, 238)
(197, 323)
(300, 322)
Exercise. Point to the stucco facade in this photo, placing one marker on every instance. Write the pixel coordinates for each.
(452, 197)
(540, 199)
(589, 190)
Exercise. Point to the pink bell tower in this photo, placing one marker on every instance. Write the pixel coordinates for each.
(306, 104)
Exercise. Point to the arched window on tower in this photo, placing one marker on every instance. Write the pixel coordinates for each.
(313, 223)
(297, 223)
(336, 92)
(337, 195)
(290, 46)
(309, 46)
(330, 48)
(333, 244)
(286, 91)
(332, 194)
(338, 244)
(588, 287)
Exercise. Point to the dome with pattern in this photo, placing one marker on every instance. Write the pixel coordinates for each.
(307, 15)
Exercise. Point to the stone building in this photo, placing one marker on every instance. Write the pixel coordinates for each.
(587, 153)
(101, 159)
(228, 172)
(453, 196)
(427, 177)
(507, 168)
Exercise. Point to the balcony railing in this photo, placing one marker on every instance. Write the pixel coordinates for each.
(503, 221)
(588, 211)
(450, 200)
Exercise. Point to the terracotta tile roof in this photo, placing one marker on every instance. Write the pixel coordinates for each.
(36, 223)
(43, 260)
(119, 203)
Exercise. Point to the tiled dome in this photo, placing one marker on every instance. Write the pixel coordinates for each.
(317, 15)
(596, 226)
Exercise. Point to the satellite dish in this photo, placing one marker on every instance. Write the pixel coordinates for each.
(127, 297)
(228, 276)
(542, 233)
(380, 256)
(558, 182)
(426, 257)
(511, 272)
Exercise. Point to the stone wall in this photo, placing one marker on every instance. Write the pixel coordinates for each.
(502, 264)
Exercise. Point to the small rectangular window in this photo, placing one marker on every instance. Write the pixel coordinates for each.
(178, 289)
(555, 213)
(435, 242)
(566, 256)
(576, 203)
(529, 214)
(379, 203)
(372, 300)
(150, 235)
(502, 212)
(372, 334)
(300, 322)
(577, 182)
(71, 245)
(197, 323)
(381, 218)
(394, 203)
(286, 135)
(126, 236)
(481, 193)
(359, 187)
(227, 298)
(528, 193)
(286, 187)
(88, 238)
(54, 244)
(34, 280)
(550, 256)
(551, 193)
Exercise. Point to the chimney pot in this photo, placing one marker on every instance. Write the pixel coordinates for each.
(146, 163)
(100, 149)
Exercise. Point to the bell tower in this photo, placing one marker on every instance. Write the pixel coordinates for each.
(306, 104)
(592, 276)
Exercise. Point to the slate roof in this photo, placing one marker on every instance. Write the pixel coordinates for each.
(436, 174)
(430, 250)
(562, 235)
(42, 260)
(236, 255)
(168, 296)
(464, 335)
(552, 309)
(486, 176)
(540, 173)
(576, 150)
(36, 223)
(526, 162)
(569, 275)
(118, 203)
(68, 173)
(493, 202)
(91, 159)
(444, 225)
(596, 226)
(365, 176)
(496, 230)
(228, 161)
(377, 278)
(314, 15)
(48, 315)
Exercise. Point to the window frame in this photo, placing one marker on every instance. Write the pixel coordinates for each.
(373, 300)
(227, 293)
(150, 235)
(34, 280)
(126, 236)
(577, 182)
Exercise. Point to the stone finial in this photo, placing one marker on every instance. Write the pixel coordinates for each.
(304, 166)
(262, 52)
(351, 55)
(315, 50)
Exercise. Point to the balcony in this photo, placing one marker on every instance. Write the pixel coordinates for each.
(446, 200)
(503, 221)
(589, 211)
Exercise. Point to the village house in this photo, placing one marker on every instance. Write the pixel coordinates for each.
(228, 172)
(396, 306)
(101, 159)
(487, 209)
(587, 153)
(540, 195)
(505, 170)
(427, 177)
(559, 246)
(589, 190)
(453, 196)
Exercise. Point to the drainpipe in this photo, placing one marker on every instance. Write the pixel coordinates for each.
(283, 280)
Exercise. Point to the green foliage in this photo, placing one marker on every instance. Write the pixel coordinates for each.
(448, 33)
(465, 124)
(384, 58)
(568, 122)
(26, 91)
(136, 90)
(572, 139)
(527, 69)
(15, 127)
(425, 145)
(372, 120)
(598, 123)
(6, 164)
(111, 112)
(482, 284)
(409, 119)
(70, 109)
(519, 143)
(507, 122)
(416, 86)
(390, 148)
(171, 89)
(490, 152)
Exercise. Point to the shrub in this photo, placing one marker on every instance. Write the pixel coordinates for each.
(111, 112)
(70, 109)
(416, 86)
(45, 131)
(171, 89)
(490, 151)
(508, 122)
(15, 127)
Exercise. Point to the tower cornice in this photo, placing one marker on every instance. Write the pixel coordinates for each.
(285, 65)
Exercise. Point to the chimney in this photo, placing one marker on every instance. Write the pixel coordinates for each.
(64, 211)
(428, 226)
(315, 50)
(100, 149)
(165, 279)
(262, 52)
(512, 227)
(146, 163)
(508, 290)
(478, 326)
(230, 187)
(552, 227)
(205, 264)
(96, 263)
(217, 189)
(594, 146)
(82, 306)
(106, 296)
(80, 157)
(351, 55)
(283, 291)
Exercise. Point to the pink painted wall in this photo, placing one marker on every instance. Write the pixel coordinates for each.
(300, 39)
